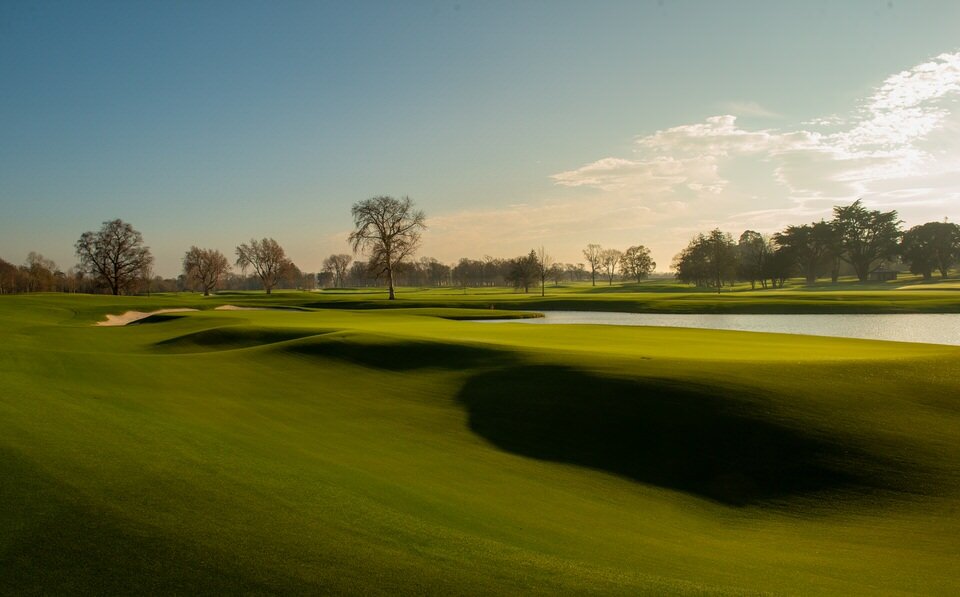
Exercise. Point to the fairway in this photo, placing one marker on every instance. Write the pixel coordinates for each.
(306, 451)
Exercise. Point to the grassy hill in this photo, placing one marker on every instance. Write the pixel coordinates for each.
(402, 451)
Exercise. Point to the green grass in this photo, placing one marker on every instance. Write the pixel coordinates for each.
(402, 451)
(654, 296)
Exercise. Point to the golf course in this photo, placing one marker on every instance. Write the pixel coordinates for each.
(336, 442)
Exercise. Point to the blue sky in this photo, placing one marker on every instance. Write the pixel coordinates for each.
(511, 124)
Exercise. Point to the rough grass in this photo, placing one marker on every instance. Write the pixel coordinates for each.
(397, 452)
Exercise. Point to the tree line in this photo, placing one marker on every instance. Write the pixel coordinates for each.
(387, 232)
(857, 239)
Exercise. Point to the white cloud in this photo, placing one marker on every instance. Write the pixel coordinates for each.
(890, 138)
(899, 148)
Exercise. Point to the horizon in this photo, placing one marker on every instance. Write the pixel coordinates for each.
(512, 127)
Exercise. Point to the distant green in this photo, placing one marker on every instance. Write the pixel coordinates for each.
(394, 451)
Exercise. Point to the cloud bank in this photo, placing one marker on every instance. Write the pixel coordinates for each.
(898, 149)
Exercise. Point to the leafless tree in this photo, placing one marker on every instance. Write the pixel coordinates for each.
(389, 230)
(337, 265)
(204, 268)
(115, 255)
(544, 264)
(267, 258)
(594, 256)
(40, 273)
(557, 273)
(610, 258)
(488, 266)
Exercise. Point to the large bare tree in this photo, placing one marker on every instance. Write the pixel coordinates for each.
(115, 255)
(267, 258)
(610, 259)
(388, 229)
(337, 265)
(205, 268)
(594, 256)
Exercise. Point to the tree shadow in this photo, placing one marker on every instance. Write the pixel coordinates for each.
(690, 439)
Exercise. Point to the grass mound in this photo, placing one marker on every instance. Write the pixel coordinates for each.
(398, 354)
(231, 338)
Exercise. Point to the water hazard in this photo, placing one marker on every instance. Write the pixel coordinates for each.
(930, 328)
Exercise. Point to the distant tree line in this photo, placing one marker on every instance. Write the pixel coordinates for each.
(387, 232)
(533, 270)
(114, 259)
(857, 240)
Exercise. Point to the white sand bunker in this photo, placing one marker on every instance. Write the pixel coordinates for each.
(131, 316)
(236, 308)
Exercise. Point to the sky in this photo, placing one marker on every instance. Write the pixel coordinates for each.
(513, 125)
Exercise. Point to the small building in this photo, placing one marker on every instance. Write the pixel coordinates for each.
(882, 274)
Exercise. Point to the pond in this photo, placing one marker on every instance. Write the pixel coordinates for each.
(931, 328)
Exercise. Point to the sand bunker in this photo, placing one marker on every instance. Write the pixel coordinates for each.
(131, 316)
(236, 308)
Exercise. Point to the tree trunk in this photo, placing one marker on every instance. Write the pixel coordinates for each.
(392, 295)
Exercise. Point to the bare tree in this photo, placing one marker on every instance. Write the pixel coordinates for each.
(205, 268)
(593, 255)
(40, 273)
(146, 278)
(337, 265)
(610, 259)
(267, 258)
(557, 273)
(115, 255)
(389, 230)
(488, 265)
(544, 263)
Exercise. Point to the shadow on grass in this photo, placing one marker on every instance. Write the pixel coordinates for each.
(232, 337)
(690, 439)
(382, 352)
(52, 542)
(158, 318)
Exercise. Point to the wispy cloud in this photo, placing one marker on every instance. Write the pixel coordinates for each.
(749, 108)
(901, 132)
(899, 147)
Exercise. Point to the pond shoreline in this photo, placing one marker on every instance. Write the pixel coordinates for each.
(926, 328)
